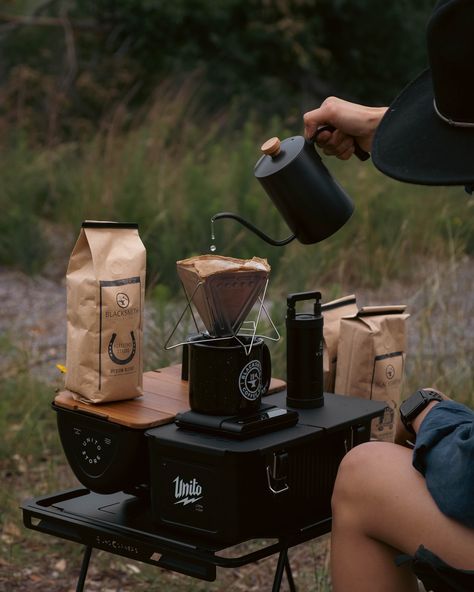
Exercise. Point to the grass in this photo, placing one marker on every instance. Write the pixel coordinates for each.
(443, 344)
(170, 171)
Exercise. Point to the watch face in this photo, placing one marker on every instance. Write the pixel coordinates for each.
(416, 403)
(412, 403)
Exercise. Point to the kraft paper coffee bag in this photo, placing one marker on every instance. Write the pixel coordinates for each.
(333, 312)
(105, 296)
(371, 359)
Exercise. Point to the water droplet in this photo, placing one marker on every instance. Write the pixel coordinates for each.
(213, 247)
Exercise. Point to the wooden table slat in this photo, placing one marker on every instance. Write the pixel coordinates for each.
(165, 395)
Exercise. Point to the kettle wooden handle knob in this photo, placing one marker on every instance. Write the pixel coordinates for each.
(271, 147)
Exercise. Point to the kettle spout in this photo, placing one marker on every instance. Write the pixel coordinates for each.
(254, 229)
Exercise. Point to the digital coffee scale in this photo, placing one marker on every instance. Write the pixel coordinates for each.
(266, 419)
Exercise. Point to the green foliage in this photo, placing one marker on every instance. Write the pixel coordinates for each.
(30, 451)
(59, 80)
(395, 226)
(174, 168)
(373, 49)
(23, 202)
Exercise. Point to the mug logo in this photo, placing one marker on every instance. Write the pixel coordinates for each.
(250, 380)
(390, 372)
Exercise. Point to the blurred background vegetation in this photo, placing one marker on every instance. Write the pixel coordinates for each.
(153, 112)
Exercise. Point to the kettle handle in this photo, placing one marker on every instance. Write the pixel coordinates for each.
(358, 151)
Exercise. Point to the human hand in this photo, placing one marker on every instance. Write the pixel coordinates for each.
(353, 123)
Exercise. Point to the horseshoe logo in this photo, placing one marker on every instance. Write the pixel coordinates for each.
(114, 358)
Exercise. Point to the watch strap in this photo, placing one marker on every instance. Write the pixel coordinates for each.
(417, 402)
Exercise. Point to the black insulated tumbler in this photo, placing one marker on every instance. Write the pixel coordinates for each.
(304, 353)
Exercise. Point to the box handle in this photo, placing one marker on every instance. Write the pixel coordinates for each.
(277, 475)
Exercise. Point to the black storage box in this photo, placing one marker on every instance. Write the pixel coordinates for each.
(105, 443)
(105, 457)
(230, 491)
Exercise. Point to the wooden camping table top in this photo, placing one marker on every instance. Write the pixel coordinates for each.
(164, 395)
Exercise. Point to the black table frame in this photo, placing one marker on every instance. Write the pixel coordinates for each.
(123, 525)
(189, 556)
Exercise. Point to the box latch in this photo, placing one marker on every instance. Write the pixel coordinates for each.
(277, 472)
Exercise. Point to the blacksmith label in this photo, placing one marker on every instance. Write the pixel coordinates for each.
(387, 375)
(120, 321)
(250, 380)
(386, 385)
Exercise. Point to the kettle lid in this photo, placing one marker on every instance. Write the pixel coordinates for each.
(278, 154)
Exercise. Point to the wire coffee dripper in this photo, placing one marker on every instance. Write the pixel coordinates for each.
(224, 298)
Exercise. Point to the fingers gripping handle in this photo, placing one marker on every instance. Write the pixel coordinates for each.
(358, 151)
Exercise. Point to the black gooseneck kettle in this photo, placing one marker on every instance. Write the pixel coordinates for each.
(293, 175)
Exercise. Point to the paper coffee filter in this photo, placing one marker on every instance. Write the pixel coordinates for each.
(228, 289)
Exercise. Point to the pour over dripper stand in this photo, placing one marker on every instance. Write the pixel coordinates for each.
(223, 327)
(267, 417)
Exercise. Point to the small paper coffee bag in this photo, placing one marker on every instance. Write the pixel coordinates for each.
(332, 313)
(105, 297)
(371, 359)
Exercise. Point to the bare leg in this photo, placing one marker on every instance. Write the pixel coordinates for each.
(381, 507)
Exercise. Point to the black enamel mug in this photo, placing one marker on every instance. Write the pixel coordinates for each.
(226, 380)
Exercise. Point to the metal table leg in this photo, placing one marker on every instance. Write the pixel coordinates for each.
(289, 574)
(283, 565)
(282, 557)
(84, 567)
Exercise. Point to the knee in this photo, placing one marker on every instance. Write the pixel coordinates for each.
(347, 479)
(357, 475)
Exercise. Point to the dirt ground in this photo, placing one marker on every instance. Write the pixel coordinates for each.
(441, 304)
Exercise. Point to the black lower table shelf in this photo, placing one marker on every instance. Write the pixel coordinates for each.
(121, 524)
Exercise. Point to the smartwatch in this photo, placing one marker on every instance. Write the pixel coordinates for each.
(414, 405)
